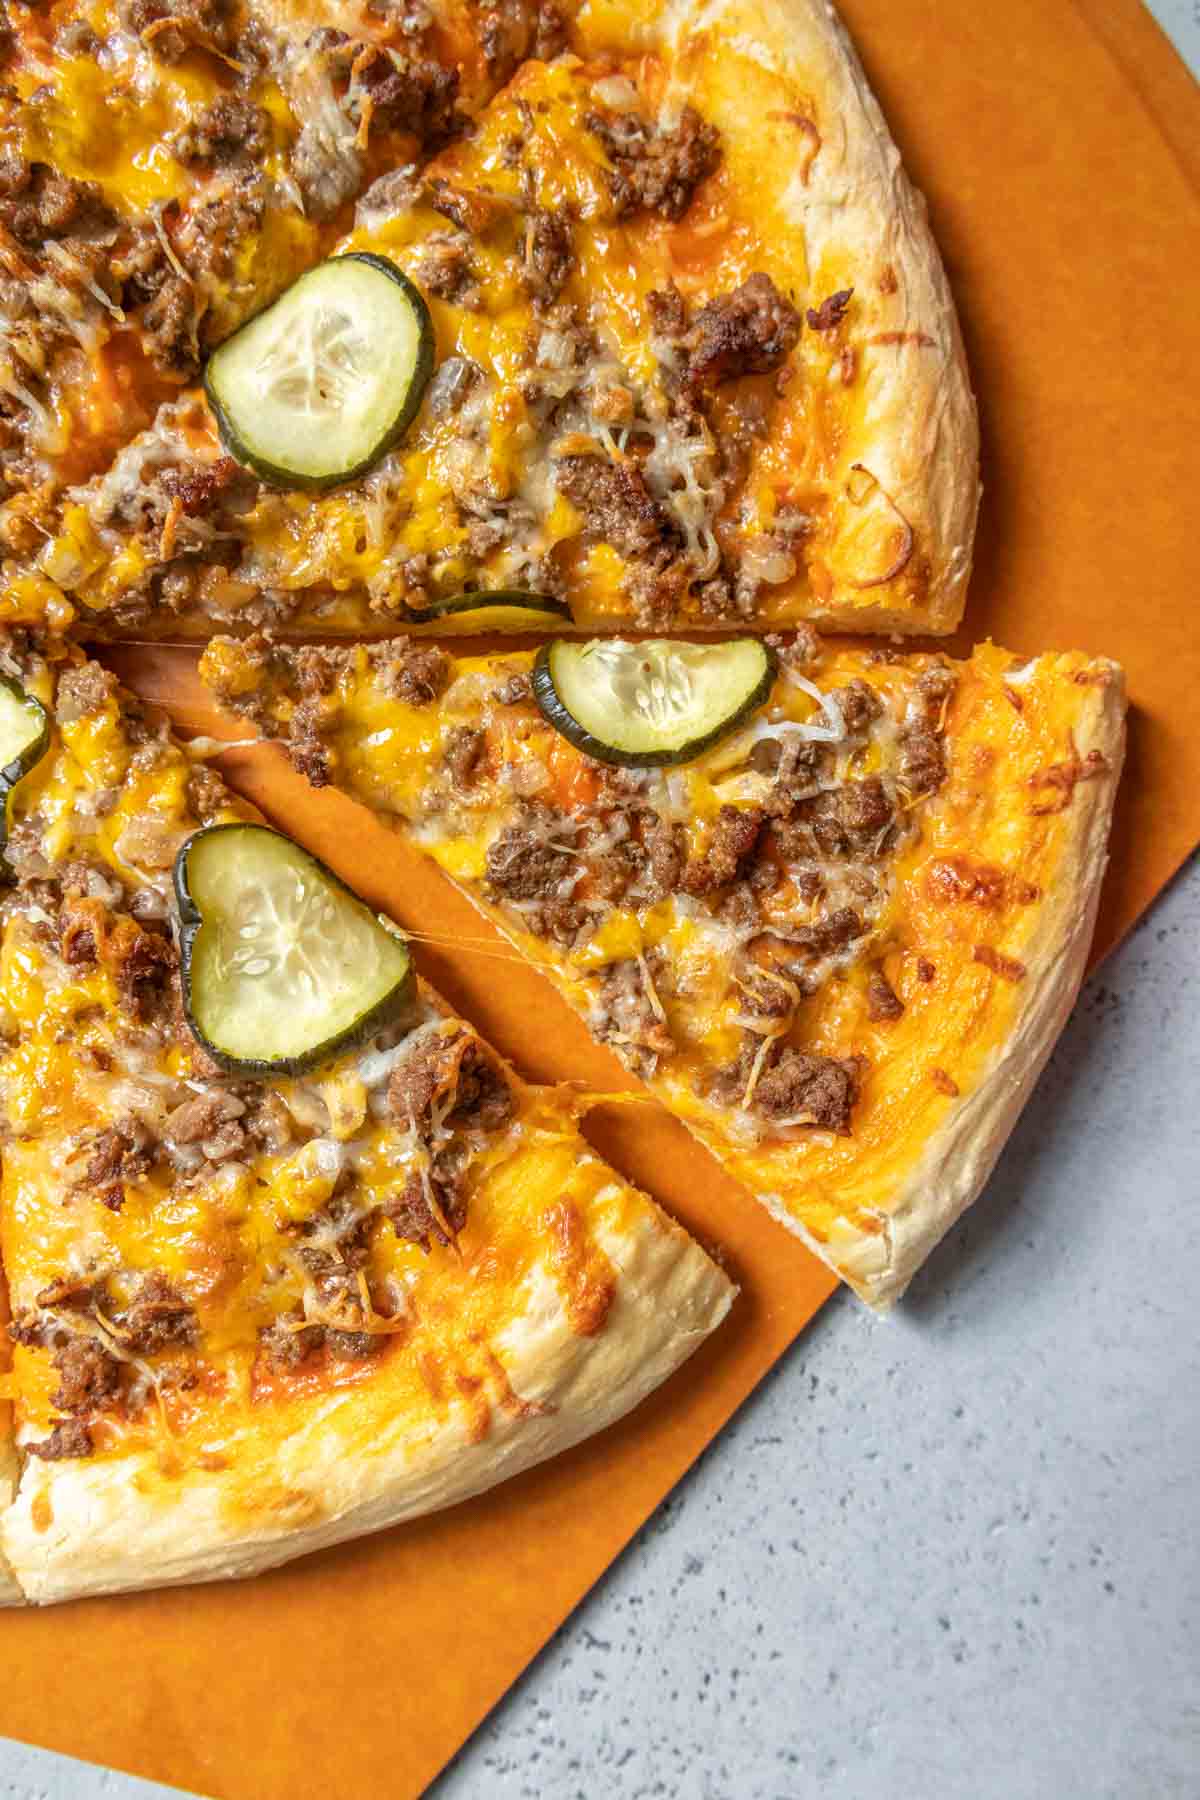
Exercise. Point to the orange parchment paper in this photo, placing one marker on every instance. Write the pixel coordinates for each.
(1059, 147)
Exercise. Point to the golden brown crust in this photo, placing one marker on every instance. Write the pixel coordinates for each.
(10, 1589)
(347, 1465)
(857, 221)
(960, 1155)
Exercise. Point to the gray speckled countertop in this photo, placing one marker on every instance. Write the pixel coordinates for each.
(956, 1554)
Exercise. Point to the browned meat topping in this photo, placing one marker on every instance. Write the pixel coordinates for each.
(170, 326)
(445, 268)
(38, 205)
(213, 1120)
(309, 756)
(83, 692)
(157, 1318)
(414, 673)
(142, 963)
(288, 1341)
(122, 1153)
(655, 169)
(231, 130)
(830, 313)
(90, 1376)
(734, 839)
(533, 861)
(617, 506)
(860, 705)
(795, 766)
(448, 1079)
(630, 1016)
(511, 31)
(213, 232)
(198, 485)
(547, 254)
(431, 1208)
(70, 1438)
(463, 752)
(834, 932)
(922, 761)
(793, 1087)
(173, 27)
(338, 1278)
(401, 93)
(850, 821)
(665, 851)
(751, 331)
(801, 1088)
(207, 794)
(883, 1002)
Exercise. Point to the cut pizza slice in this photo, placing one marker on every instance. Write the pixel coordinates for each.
(833, 905)
(291, 1254)
(694, 363)
(168, 169)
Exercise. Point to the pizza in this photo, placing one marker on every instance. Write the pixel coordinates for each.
(166, 169)
(616, 324)
(635, 321)
(290, 1253)
(832, 905)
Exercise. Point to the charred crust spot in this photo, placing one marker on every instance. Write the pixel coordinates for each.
(1007, 967)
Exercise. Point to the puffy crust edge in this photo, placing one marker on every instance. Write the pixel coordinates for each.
(922, 442)
(961, 1154)
(10, 1588)
(110, 1525)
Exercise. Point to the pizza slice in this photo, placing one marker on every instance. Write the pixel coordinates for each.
(290, 1253)
(664, 342)
(832, 905)
(168, 166)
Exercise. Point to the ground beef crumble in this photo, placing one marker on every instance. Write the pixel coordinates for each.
(92, 1377)
(173, 27)
(230, 131)
(751, 331)
(734, 839)
(39, 205)
(547, 254)
(122, 1153)
(449, 1078)
(655, 169)
(510, 31)
(629, 1016)
(807, 1089)
(617, 506)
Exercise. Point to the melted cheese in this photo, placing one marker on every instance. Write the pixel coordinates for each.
(74, 1064)
(951, 943)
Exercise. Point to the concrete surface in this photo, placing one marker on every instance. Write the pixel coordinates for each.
(953, 1555)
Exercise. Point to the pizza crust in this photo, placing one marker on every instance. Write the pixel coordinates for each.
(10, 1588)
(104, 1526)
(854, 210)
(962, 1152)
